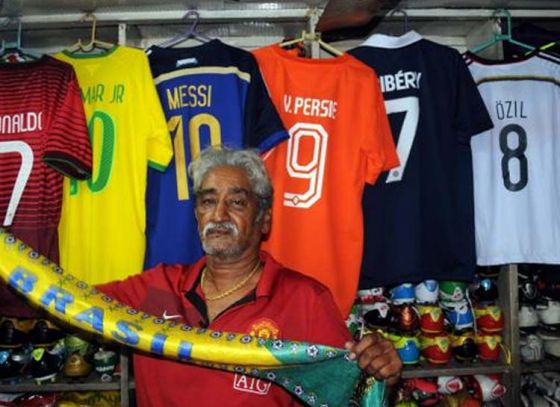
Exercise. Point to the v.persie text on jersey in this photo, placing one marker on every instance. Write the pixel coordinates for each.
(310, 106)
(21, 122)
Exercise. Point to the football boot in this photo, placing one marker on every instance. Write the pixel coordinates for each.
(463, 346)
(104, 362)
(44, 334)
(528, 318)
(485, 291)
(435, 348)
(46, 363)
(489, 318)
(488, 346)
(405, 318)
(551, 342)
(402, 294)
(528, 292)
(11, 336)
(408, 348)
(458, 315)
(452, 290)
(548, 311)
(548, 281)
(427, 292)
(431, 319)
(422, 390)
(371, 295)
(377, 315)
(13, 363)
(76, 366)
(38, 400)
(75, 344)
(449, 384)
(487, 388)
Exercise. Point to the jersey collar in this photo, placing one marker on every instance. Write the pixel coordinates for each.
(388, 41)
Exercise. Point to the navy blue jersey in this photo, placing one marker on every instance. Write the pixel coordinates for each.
(212, 94)
(419, 217)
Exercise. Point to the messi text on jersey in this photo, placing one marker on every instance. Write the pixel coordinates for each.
(189, 96)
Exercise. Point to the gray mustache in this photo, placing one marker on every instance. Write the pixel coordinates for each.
(220, 227)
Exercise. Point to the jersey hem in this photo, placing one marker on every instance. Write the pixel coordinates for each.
(156, 166)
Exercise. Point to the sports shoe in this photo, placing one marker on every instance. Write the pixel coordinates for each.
(485, 291)
(489, 318)
(371, 295)
(45, 364)
(427, 292)
(408, 348)
(435, 348)
(10, 335)
(377, 315)
(548, 311)
(488, 346)
(528, 318)
(449, 384)
(44, 334)
(463, 346)
(76, 366)
(487, 387)
(531, 348)
(105, 362)
(458, 314)
(402, 294)
(431, 319)
(405, 318)
(423, 390)
(452, 290)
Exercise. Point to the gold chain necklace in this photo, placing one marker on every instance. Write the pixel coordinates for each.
(233, 289)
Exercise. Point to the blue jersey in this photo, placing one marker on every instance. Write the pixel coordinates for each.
(212, 94)
(419, 217)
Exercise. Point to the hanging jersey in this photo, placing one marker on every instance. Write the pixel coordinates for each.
(103, 219)
(43, 135)
(339, 139)
(419, 221)
(516, 168)
(212, 94)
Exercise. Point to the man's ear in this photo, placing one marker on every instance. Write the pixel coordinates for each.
(266, 221)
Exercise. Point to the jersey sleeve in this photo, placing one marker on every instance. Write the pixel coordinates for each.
(68, 148)
(159, 146)
(377, 145)
(263, 126)
(471, 115)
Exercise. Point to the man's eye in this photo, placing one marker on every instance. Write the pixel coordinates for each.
(207, 202)
(238, 203)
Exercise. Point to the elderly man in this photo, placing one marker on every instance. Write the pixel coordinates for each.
(236, 287)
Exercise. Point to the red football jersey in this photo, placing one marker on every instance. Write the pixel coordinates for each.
(43, 135)
(339, 139)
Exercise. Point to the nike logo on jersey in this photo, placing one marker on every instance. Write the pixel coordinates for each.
(168, 317)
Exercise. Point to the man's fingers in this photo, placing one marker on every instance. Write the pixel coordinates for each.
(367, 341)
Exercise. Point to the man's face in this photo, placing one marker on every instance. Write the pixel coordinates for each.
(226, 210)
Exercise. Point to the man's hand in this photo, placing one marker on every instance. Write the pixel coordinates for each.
(377, 356)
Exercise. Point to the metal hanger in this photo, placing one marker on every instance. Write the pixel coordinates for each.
(13, 51)
(94, 43)
(501, 37)
(190, 33)
(315, 37)
(400, 10)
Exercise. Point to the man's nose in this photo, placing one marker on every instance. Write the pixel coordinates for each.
(220, 211)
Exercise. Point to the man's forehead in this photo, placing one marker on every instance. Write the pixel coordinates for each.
(226, 179)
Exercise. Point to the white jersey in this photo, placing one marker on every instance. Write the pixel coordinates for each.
(517, 163)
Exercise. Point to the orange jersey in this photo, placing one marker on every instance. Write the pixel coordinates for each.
(339, 139)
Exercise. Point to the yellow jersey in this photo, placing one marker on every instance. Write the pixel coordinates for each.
(103, 219)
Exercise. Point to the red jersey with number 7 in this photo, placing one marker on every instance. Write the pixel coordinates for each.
(339, 139)
(43, 136)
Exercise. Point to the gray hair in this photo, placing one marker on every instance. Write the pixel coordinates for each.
(248, 160)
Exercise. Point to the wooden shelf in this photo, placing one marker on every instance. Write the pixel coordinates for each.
(62, 384)
(547, 365)
(454, 368)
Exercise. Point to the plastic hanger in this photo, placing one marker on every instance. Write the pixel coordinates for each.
(501, 37)
(190, 33)
(400, 10)
(94, 43)
(315, 37)
(12, 52)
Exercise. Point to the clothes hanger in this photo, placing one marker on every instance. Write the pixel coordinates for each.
(94, 43)
(314, 37)
(400, 10)
(501, 37)
(12, 52)
(190, 33)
